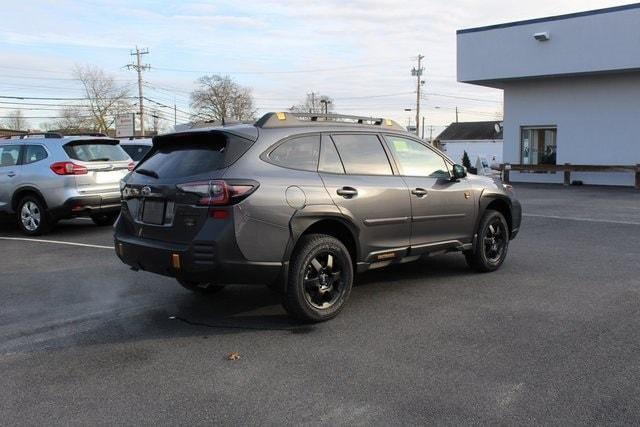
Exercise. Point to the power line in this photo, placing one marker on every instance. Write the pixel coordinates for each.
(312, 70)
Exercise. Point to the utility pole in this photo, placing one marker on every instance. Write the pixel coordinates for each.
(456, 114)
(140, 68)
(431, 134)
(417, 72)
(175, 116)
(423, 127)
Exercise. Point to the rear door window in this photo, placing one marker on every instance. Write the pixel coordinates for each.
(34, 153)
(362, 154)
(9, 155)
(181, 155)
(298, 153)
(95, 151)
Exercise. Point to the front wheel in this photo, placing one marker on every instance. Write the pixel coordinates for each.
(491, 245)
(204, 288)
(320, 279)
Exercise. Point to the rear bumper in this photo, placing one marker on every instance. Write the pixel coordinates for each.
(199, 261)
(87, 205)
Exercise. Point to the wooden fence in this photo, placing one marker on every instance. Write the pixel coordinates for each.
(567, 168)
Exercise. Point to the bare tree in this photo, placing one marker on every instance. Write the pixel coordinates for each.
(73, 119)
(315, 103)
(15, 121)
(105, 98)
(220, 99)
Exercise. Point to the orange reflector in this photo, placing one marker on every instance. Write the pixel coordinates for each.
(175, 261)
(281, 116)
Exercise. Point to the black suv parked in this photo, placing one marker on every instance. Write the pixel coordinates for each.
(301, 202)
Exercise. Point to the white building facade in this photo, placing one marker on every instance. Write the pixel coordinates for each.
(571, 90)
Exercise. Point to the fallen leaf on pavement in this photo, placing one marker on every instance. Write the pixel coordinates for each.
(234, 355)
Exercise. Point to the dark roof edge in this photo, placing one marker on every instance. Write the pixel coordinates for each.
(551, 18)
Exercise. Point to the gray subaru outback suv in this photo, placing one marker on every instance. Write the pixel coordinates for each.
(48, 177)
(301, 202)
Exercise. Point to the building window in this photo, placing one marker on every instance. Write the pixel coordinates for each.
(538, 145)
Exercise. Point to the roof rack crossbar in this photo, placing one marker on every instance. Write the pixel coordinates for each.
(275, 120)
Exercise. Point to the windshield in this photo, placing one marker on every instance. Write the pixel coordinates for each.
(92, 151)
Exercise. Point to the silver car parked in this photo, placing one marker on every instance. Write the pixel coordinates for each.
(47, 177)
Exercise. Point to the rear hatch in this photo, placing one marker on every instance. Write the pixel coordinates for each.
(167, 194)
(106, 163)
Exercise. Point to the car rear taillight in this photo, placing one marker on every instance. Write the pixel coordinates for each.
(68, 168)
(218, 192)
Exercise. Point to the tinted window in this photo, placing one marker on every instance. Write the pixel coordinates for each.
(414, 159)
(362, 154)
(136, 152)
(298, 153)
(35, 153)
(95, 151)
(193, 154)
(9, 155)
(329, 159)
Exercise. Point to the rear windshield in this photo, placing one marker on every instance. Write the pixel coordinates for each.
(192, 154)
(93, 151)
(136, 152)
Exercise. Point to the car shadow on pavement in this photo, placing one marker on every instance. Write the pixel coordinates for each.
(177, 313)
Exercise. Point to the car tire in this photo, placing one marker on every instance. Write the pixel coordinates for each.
(33, 218)
(103, 220)
(491, 245)
(203, 288)
(320, 279)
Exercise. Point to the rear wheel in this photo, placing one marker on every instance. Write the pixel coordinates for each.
(204, 288)
(105, 218)
(33, 218)
(492, 243)
(320, 279)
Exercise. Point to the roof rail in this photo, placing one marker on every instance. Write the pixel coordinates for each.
(54, 135)
(85, 134)
(277, 120)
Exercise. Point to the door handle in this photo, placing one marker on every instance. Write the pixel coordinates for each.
(347, 192)
(420, 192)
(11, 174)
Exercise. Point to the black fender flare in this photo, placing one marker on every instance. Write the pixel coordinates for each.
(485, 199)
(304, 218)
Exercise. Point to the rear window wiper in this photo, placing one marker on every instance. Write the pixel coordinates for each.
(147, 172)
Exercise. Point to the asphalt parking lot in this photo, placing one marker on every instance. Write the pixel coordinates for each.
(552, 337)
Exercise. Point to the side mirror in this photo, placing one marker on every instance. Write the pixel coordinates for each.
(459, 171)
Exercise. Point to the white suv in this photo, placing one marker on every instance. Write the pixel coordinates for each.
(47, 177)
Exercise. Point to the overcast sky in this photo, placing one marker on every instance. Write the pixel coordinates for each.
(358, 52)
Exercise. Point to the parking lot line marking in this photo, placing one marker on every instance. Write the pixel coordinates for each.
(575, 218)
(25, 239)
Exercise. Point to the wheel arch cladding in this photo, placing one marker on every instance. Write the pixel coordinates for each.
(22, 192)
(333, 226)
(498, 203)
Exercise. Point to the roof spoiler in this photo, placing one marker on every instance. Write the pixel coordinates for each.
(279, 120)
